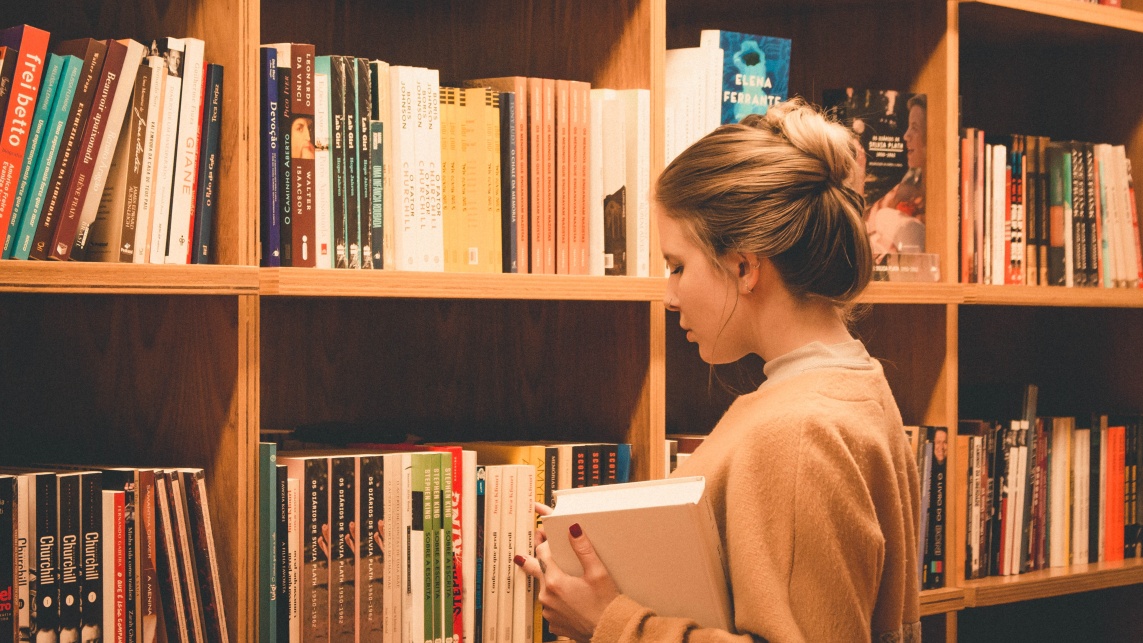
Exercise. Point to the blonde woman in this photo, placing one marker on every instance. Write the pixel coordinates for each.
(814, 489)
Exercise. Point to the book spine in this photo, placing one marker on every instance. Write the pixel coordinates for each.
(509, 208)
(383, 112)
(563, 178)
(9, 556)
(370, 581)
(377, 187)
(168, 567)
(294, 544)
(479, 552)
(94, 565)
(446, 592)
(69, 149)
(114, 594)
(125, 176)
(338, 178)
(171, 50)
(186, 150)
(36, 138)
(271, 206)
(315, 564)
(548, 167)
(29, 69)
(523, 623)
(205, 557)
(286, 175)
(268, 543)
(506, 569)
(303, 160)
(323, 198)
(493, 258)
(151, 149)
(364, 162)
(342, 608)
(428, 173)
(70, 530)
(352, 176)
(282, 498)
(404, 111)
(206, 201)
(180, 527)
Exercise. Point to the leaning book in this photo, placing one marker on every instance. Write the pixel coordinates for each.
(659, 541)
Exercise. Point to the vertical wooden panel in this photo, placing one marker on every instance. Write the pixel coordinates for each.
(654, 434)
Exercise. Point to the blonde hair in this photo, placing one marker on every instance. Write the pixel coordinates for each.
(777, 186)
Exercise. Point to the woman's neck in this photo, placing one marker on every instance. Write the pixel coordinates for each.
(788, 324)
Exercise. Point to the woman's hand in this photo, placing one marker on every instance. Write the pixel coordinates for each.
(573, 605)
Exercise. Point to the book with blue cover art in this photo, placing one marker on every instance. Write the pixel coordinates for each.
(755, 72)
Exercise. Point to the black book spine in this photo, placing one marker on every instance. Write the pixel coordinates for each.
(208, 169)
(580, 474)
(91, 580)
(71, 562)
(315, 579)
(337, 153)
(478, 603)
(610, 463)
(1079, 215)
(365, 163)
(1090, 216)
(371, 557)
(1000, 470)
(552, 454)
(352, 163)
(342, 588)
(508, 206)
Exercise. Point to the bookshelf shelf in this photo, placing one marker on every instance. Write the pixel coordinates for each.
(907, 293)
(1055, 21)
(126, 279)
(1056, 581)
(308, 282)
(1053, 296)
(942, 601)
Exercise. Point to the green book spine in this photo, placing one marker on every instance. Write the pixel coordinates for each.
(268, 542)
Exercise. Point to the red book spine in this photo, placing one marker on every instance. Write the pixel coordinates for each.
(33, 48)
(119, 631)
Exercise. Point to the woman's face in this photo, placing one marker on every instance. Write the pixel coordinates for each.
(915, 137)
(704, 295)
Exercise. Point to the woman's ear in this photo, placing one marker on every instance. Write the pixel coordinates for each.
(748, 268)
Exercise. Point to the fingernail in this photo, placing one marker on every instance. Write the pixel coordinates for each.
(519, 560)
(575, 530)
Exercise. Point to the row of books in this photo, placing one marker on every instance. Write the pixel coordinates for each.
(108, 554)
(110, 150)
(728, 76)
(411, 542)
(1050, 492)
(1041, 212)
(371, 165)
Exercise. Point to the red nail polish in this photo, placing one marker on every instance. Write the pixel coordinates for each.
(519, 560)
(575, 530)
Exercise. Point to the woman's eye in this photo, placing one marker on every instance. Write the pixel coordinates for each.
(677, 270)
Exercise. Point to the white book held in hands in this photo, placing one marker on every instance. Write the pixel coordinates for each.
(658, 540)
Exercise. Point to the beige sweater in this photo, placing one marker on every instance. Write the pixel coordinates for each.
(817, 501)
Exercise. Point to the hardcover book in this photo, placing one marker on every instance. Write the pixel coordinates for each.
(891, 128)
(755, 72)
(677, 547)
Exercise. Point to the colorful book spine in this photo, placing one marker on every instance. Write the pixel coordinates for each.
(755, 72)
(271, 205)
(114, 580)
(36, 140)
(183, 188)
(31, 45)
(9, 557)
(206, 202)
(302, 157)
(268, 543)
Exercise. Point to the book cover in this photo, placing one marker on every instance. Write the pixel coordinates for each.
(343, 553)
(36, 137)
(28, 49)
(205, 555)
(370, 580)
(323, 197)
(111, 237)
(271, 190)
(183, 186)
(93, 54)
(680, 545)
(170, 50)
(303, 228)
(364, 108)
(890, 126)
(192, 591)
(104, 149)
(206, 202)
(755, 72)
(286, 175)
(313, 472)
(169, 569)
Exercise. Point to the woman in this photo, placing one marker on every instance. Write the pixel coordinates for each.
(814, 488)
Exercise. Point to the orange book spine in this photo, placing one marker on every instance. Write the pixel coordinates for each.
(563, 179)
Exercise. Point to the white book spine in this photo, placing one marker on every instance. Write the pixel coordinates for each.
(185, 177)
(999, 197)
(323, 204)
(493, 502)
(294, 557)
(143, 222)
(109, 144)
(986, 255)
(637, 108)
(383, 89)
(522, 587)
(1079, 505)
(595, 187)
(404, 108)
(165, 164)
(1126, 231)
(393, 597)
(506, 568)
(430, 255)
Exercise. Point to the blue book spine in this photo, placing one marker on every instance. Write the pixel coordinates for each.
(755, 73)
(509, 209)
(271, 204)
(207, 198)
(376, 148)
(623, 462)
(39, 123)
(41, 177)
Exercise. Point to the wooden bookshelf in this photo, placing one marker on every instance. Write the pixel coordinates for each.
(1056, 581)
(182, 365)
